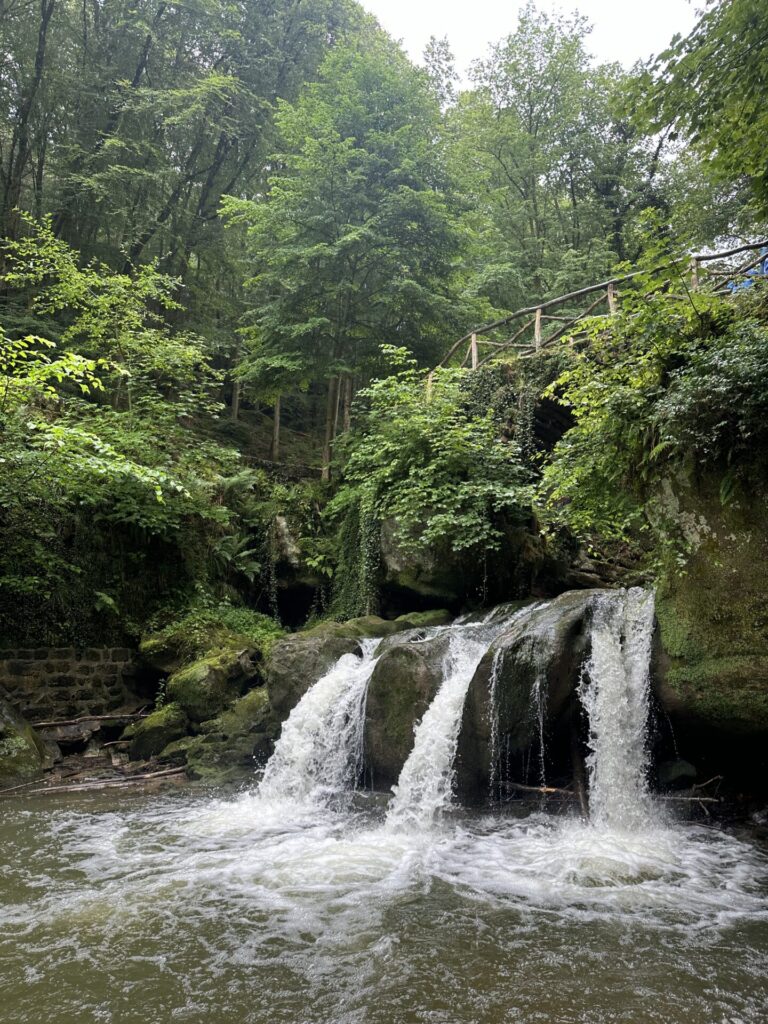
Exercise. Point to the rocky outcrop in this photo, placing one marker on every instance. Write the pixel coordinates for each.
(232, 746)
(153, 733)
(712, 661)
(208, 686)
(23, 754)
(546, 649)
(404, 682)
(298, 661)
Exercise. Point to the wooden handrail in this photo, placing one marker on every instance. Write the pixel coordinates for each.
(608, 286)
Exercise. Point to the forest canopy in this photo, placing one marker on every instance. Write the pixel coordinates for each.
(237, 240)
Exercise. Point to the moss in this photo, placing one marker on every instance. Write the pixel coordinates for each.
(235, 743)
(728, 692)
(206, 687)
(422, 620)
(176, 753)
(22, 752)
(205, 629)
(343, 630)
(153, 733)
(713, 617)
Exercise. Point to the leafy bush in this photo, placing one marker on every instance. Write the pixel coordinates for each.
(421, 457)
(206, 627)
(670, 382)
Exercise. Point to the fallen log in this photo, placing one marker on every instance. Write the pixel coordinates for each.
(107, 783)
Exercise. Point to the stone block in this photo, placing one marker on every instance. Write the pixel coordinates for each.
(121, 654)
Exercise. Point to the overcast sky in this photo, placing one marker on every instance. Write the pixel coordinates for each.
(623, 31)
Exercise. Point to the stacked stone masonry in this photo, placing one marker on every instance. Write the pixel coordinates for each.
(52, 684)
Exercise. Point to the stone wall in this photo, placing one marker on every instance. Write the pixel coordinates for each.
(50, 684)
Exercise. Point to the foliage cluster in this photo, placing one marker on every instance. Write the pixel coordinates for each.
(672, 384)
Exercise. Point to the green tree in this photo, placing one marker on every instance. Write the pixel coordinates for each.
(711, 86)
(353, 245)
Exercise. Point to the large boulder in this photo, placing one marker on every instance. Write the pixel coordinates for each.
(153, 733)
(540, 654)
(233, 745)
(206, 687)
(298, 661)
(404, 682)
(23, 754)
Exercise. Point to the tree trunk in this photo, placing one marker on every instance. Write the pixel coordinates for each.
(235, 400)
(275, 450)
(330, 418)
(347, 406)
(21, 143)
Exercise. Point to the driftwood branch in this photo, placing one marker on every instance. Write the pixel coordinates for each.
(90, 718)
(86, 787)
(538, 789)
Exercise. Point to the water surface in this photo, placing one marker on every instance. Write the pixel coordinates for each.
(185, 908)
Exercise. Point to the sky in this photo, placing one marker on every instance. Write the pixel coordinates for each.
(623, 31)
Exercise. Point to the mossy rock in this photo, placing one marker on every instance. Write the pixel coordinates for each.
(403, 685)
(153, 733)
(712, 669)
(23, 753)
(176, 753)
(425, 620)
(298, 661)
(547, 645)
(160, 653)
(207, 686)
(236, 743)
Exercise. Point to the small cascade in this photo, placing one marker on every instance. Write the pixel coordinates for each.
(614, 691)
(494, 775)
(539, 709)
(321, 746)
(425, 786)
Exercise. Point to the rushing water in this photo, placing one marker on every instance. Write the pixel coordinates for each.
(286, 905)
(614, 691)
(424, 788)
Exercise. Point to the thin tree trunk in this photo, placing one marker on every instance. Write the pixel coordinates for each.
(276, 431)
(337, 409)
(347, 407)
(235, 400)
(330, 411)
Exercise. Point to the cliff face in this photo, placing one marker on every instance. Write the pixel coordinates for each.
(713, 627)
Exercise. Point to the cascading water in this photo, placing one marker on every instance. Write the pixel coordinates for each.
(425, 786)
(614, 692)
(321, 745)
(327, 916)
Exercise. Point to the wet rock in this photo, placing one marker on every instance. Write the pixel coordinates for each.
(298, 661)
(547, 646)
(404, 682)
(677, 774)
(234, 744)
(207, 686)
(23, 754)
(153, 733)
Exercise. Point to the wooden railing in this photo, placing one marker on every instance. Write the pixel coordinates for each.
(703, 269)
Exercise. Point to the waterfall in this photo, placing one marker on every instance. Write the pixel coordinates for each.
(614, 692)
(425, 786)
(494, 774)
(321, 745)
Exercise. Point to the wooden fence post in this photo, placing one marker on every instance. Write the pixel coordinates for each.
(474, 352)
(537, 330)
(613, 305)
